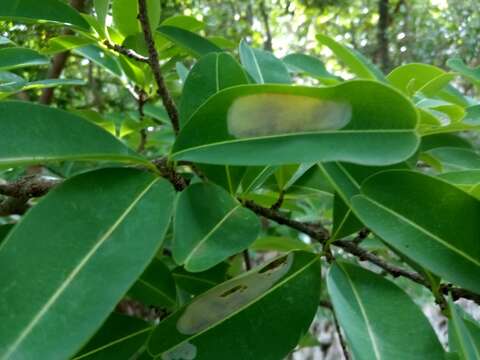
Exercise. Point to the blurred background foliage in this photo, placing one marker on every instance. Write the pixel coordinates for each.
(389, 32)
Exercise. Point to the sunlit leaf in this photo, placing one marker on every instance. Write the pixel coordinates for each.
(14, 58)
(125, 15)
(33, 134)
(187, 40)
(355, 62)
(53, 11)
(262, 65)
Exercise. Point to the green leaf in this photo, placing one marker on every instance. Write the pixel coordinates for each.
(101, 10)
(346, 185)
(455, 159)
(48, 83)
(199, 282)
(33, 134)
(345, 222)
(4, 230)
(184, 22)
(279, 243)
(444, 140)
(100, 57)
(267, 295)
(97, 215)
(355, 62)
(418, 215)
(210, 225)
(310, 65)
(463, 334)
(362, 122)
(410, 78)
(14, 58)
(263, 66)
(312, 182)
(472, 74)
(156, 286)
(66, 42)
(11, 82)
(434, 86)
(380, 321)
(182, 71)
(194, 44)
(120, 337)
(212, 73)
(53, 11)
(125, 12)
(464, 179)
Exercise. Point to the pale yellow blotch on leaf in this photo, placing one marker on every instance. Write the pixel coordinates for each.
(276, 114)
(218, 303)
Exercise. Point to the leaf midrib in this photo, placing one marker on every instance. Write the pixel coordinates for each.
(371, 334)
(279, 136)
(76, 270)
(211, 232)
(424, 231)
(240, 309)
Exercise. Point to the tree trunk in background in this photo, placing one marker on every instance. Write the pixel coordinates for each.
(267, 45)
(59, 61)
(383, 58)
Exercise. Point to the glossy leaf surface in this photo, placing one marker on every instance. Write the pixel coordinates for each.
(189, 41)
(119, 337)
(427, 219)
(125, 12)
(53, 11)
(89, 235)
(38, 134)
(368, 307)
(463, 334)
(13, 58)
(250, 313)
(354, 61)
(210, 74)
(156, 286)
(263, 66)
(359, 121)
(210, 225)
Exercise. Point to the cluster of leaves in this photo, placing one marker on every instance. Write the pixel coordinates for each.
(169, 224)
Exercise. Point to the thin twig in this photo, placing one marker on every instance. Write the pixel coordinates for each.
(355, 250)
(28, 187)
(154, 63)
(124, 51)
(168, 172)
(141, 100)
(278, 204)
(316, 231)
